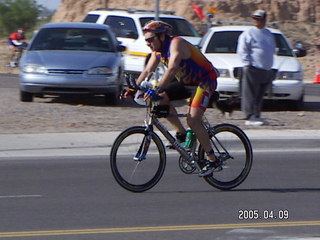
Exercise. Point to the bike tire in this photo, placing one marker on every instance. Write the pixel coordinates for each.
(133, 175)
(237, 166)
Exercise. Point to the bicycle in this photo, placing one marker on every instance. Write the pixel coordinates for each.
(18, 51)
(138, 155)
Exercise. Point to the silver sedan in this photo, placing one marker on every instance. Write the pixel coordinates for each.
(72, 58)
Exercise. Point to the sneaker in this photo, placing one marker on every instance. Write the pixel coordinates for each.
(13, 64)
(253, 123)
(210, 167)
(256, 121)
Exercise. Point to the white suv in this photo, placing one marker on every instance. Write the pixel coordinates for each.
(127, 25)
(219, 45)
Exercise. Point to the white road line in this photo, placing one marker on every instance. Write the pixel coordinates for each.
(21, 196)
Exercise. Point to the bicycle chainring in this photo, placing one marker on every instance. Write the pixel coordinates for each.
(185, 166)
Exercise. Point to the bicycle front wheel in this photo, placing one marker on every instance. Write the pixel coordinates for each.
(233, 147)
(137, 159)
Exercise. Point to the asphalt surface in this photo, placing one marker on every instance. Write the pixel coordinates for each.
(76, 198)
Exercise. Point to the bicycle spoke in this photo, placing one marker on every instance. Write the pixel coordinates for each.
(141, 171)
(233, 148)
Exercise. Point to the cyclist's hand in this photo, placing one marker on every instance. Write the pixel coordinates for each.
(127, 93)
(151, 94)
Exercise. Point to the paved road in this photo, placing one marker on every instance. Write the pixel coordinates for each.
(77, 198)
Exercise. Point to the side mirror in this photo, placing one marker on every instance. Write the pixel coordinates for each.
(121, 48)
(300, 52)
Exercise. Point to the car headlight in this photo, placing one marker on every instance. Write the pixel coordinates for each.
(100, 71)
(290, 76)
(224, 73)
(37, 69)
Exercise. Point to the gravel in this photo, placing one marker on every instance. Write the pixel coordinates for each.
(89, 114)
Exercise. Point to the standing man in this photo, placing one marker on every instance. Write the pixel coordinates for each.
(256, 47)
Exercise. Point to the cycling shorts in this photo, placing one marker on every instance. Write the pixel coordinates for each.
(200, 95)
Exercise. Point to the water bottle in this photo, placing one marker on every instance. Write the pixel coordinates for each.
(145, 85)
(189, 139)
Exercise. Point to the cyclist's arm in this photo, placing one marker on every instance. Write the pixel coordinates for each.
(178, 51)
(17, 42)
(150, 67)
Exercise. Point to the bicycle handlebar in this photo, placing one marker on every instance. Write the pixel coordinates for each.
(144, 87)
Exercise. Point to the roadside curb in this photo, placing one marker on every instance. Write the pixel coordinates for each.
(99, 143)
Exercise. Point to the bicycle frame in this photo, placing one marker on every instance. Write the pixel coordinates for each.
(189, 156)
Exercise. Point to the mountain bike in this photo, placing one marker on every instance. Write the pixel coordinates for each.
(138, 155)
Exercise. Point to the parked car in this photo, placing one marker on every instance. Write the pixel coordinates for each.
(219, 45)
(127, 26)
(72, 58)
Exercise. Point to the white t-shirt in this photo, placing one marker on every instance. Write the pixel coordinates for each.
(256, 48)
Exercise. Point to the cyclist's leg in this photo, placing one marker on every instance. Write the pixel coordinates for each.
(12, 53)
(174, 91)
(197, 108)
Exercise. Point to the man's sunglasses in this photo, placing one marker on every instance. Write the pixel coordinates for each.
(150, 39)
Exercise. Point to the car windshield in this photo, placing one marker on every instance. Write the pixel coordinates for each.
(227, 42)
(181, 27)
(283, 49)
(223, 42)
(80, 39)
(91, 18)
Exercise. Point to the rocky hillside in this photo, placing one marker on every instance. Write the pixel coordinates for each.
(299, 19)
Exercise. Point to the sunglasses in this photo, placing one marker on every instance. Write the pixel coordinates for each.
(150, 39)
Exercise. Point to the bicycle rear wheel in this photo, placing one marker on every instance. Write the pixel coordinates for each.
(234, 149)
(137, 159)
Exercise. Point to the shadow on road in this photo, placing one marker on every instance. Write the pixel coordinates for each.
(278, 190)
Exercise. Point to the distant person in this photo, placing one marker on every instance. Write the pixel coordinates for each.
(256, 47)
(16, 40)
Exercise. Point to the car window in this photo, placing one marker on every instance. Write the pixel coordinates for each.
(73, 39)
(122, 26)
(181, 27)
(227, 42)
(223, 42)
(283, 49)
(91, 18)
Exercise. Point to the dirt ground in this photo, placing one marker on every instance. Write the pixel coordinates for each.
(81, 114)
(86, 114)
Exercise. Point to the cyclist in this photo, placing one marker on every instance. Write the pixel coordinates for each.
(16, 40)
(186, 64)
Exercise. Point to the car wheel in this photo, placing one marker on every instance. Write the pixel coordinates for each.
(111, 99)
(296, 105)
(299, 104)
(26, 96)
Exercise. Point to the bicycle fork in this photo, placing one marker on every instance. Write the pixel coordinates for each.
(143, 149)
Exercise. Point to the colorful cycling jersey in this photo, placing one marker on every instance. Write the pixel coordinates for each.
(194, 71)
